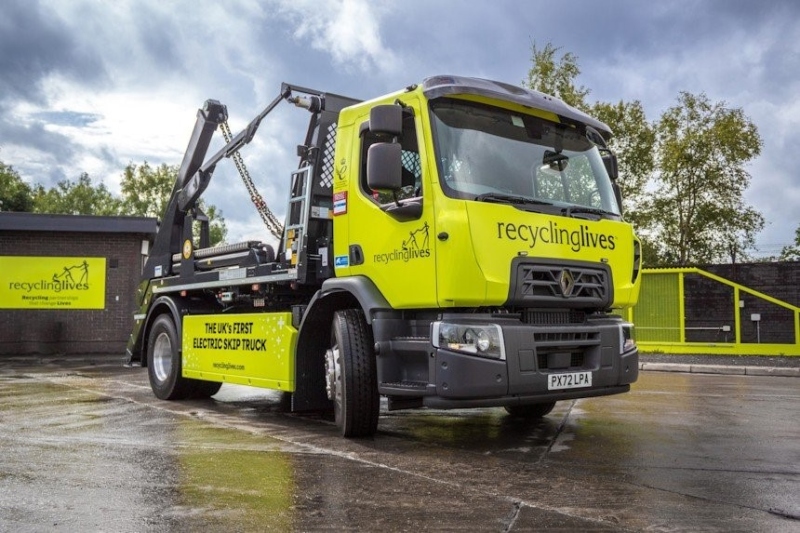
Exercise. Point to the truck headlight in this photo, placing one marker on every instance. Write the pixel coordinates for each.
(485, 340)
(626, 342)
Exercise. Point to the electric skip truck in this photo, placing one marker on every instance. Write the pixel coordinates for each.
(456, 244)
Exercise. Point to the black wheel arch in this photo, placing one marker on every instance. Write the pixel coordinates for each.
(360, 288)
(315, 332)
(176, 307)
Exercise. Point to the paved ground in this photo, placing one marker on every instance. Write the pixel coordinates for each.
(87, 447)
(729, 360)
(750, 365)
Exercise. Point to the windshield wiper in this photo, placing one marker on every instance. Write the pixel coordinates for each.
(572, 210)
(501, 198)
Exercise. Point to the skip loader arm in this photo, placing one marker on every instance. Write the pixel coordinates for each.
(195, 172)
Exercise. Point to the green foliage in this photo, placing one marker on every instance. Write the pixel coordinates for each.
(80, 197)
(556, 78)
(697, 207)
(792, 252)
(15, 194)
(633, 142)
(146, 190)
(217, 230)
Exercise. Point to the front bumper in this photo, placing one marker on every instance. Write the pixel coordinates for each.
(532, 354)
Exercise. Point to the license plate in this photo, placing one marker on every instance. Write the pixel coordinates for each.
(574, 380)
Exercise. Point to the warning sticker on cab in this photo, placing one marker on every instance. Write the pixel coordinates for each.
(339, 203)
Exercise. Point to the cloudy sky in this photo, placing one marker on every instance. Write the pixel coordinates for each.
(92, 85)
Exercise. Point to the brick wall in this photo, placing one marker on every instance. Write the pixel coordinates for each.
(709, 304)
(48, 331)
(778, 280)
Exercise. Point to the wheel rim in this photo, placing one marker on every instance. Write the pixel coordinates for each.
(162, 357)
(333, 377)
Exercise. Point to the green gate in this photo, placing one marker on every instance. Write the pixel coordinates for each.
(691, 311)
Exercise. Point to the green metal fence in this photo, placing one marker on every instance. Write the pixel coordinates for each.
(691, 311)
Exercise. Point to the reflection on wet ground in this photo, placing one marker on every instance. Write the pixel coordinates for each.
(87, 447)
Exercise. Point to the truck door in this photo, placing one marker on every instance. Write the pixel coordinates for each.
(393, 249)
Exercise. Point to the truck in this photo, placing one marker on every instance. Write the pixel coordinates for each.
(459, 243)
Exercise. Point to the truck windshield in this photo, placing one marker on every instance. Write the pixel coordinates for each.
(493, 154)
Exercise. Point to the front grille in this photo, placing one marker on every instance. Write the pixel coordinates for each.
(576, 360)
(545, 281)
(568, 348)
(553, 317)
(566, 337)
(569, 286)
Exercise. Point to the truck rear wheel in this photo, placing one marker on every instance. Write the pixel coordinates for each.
(535, 410)
(204, 389)
(351, 378)
(164, 361)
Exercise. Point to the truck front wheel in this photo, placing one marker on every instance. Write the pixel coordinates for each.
(164, 361)
(351, 379)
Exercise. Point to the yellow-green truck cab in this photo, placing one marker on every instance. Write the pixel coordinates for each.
(469, 252)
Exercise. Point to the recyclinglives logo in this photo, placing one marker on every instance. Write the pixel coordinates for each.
(61, 281)
(417, 246)
(552, 233)
(52, 282)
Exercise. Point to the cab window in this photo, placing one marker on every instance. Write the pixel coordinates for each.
(412, 168)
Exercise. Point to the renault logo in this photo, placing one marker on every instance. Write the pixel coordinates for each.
(567, 283)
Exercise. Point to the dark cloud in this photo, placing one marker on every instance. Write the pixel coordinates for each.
(36, 136)
(157, 34)
(33, 45)
(66, 118)
(742, 52)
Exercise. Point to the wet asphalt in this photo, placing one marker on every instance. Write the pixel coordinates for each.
(87, 447)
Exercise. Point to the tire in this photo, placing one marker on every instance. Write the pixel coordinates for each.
(535, 410)
(351, 376)
(204, 389)
(164, 362)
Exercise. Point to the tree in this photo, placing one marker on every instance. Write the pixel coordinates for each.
(633, 141)
(682, 178)
(792, 252)
(146, 191)
(15, 194)
(556, 78)
(697, 211)
(633, 135)
(217, 229)
(80, 197)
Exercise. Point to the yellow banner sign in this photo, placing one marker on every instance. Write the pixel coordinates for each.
(66, 283)
(254, 349)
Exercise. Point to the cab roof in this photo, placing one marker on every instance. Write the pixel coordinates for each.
(440, 86)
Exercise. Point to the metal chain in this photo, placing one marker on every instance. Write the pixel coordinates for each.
(272, 223)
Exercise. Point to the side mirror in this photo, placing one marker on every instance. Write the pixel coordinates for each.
(610, 161)
(384, 166)
(386, 119)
